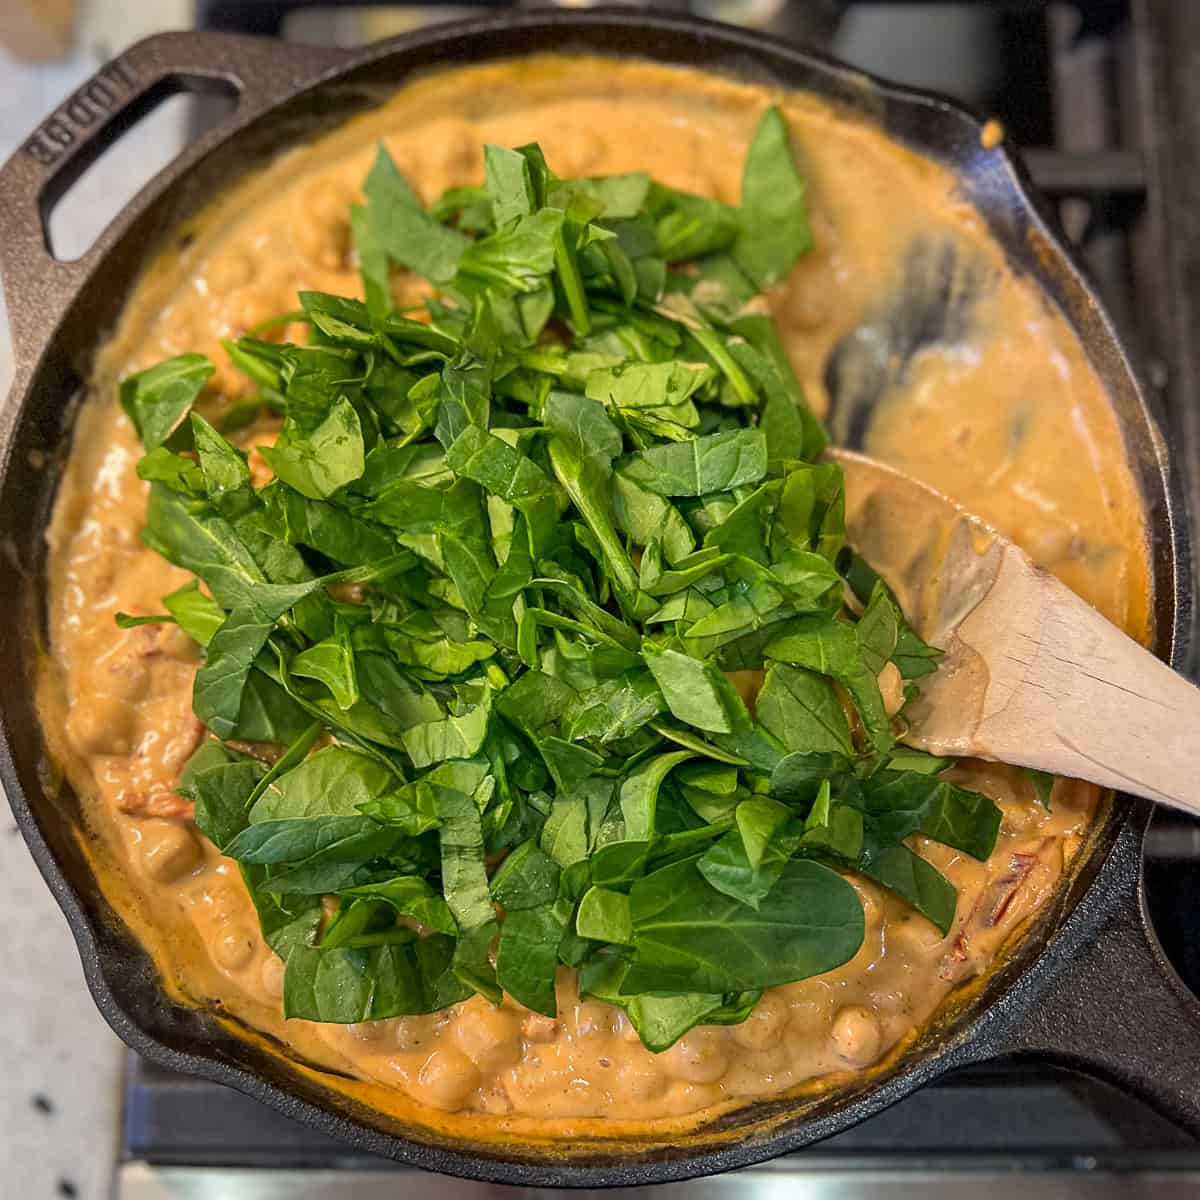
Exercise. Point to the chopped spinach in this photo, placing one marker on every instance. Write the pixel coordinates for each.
(489, 611)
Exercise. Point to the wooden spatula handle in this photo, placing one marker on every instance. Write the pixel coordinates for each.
(1032, 674)
(1074, 695)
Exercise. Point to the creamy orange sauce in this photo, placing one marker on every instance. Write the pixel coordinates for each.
(1011, 421)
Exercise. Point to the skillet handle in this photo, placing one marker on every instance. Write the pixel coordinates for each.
(38, 287)
(1110, 1004)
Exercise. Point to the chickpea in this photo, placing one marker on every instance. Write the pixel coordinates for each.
(101, 726)
(309, 240)
(640, 1078)
(760, 1071)
(130, 648)
(327, 201)
(1006, 785)
(1020, 818)
(168, 851)
(370, 1032)
(808, 299)
(260, 471)
(536, 1028)
(227, 380)
(495, 1102)
(184, 739)
(763, 1028)
(409, 290)
(856, 1035)
(271, 976)
(447, 1079)
(120, 537)
(697, 1058)
(695, 181)
(223, 902)
(586, 150)
(250, 306)
(489, 1036)
(349, 593)
(321, 231)
(234, 948)
(891, 1000)
(457, 152)
(913, 935)
(826, 237)
(748, 685)
(177, 328)
(230, 270)
(128, 677)
(174, 643)
(411, 1033)
(1051, 546)
(891, 688)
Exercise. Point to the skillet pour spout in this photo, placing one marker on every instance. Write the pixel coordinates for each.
(1088, 987)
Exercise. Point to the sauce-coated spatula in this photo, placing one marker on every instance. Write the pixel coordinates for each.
(1032, 674)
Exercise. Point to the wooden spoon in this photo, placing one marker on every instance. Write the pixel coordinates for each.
(1032, 674)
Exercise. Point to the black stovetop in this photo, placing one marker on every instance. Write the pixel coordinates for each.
(1105, 95)
(1022, 1114)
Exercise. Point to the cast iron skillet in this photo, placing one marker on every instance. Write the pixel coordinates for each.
(1089, 988)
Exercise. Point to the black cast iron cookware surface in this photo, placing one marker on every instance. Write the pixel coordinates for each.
(1089, 988)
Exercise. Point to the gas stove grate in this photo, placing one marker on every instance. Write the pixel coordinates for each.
(1025, 1115)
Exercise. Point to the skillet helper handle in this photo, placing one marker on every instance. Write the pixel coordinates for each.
(39, 287)
(1113, 1006)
